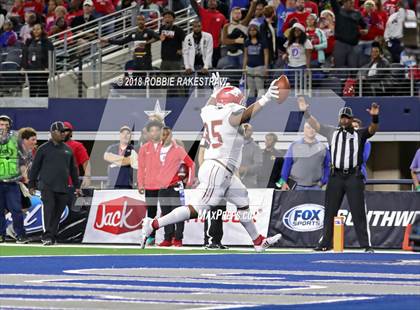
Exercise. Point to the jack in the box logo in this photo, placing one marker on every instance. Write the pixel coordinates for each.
(121, 215)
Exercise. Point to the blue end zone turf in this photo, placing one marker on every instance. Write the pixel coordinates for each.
(291, 279)
(347, 262)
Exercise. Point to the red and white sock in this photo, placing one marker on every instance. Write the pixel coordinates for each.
(259, 240)
(155, 224)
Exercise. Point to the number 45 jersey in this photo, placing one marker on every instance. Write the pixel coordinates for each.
(222, 140)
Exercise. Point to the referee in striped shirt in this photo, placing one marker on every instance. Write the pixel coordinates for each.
(346, 146)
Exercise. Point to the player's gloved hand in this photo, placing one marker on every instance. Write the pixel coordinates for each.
(418, 188)
(218, 83)
(271, 94)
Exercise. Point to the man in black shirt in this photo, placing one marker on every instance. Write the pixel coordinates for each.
(346, 145)
(172, 37)
(85, 18)
(143, 39)
(272, 163)
(53, 165)
(349, 25)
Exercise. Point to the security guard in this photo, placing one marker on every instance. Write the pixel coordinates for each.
(10, 174)
(346, 147)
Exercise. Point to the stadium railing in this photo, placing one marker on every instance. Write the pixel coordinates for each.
(82, 50)
(119, 83)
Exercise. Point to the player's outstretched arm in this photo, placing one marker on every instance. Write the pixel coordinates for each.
(374, 113)
(271, 94)
(304, 107)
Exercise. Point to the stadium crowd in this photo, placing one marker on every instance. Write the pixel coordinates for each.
(255, 36)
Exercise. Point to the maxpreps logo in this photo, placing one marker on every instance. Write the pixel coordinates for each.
(304, 218)
(120, 215)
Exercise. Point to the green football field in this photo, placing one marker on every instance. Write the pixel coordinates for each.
(36, 250)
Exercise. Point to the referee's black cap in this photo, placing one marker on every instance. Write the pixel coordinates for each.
(346, 111)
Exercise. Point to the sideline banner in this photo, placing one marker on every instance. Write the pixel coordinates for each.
(115, 217)
(233, 231)
(299, 215)
(71, 229)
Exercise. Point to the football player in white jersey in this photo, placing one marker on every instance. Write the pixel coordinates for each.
(222, 116)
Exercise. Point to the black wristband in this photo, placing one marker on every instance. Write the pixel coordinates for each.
(306, 114)
(375, 119)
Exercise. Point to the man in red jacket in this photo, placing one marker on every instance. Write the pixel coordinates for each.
(173, 160)
(148, 170)
(81, 158)
(157, 176)
(299, 16)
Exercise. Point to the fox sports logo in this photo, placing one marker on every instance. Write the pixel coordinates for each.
(304, 218)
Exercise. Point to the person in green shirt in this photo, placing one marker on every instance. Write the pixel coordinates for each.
(10, 175)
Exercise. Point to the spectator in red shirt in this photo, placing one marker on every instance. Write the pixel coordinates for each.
(171, 158)
(80, 153)
(75, 9)
(318, 40)
(381, 12)
(17, 10)
(375, 27)
(63, 3)
(299, 16)
(49, 19)
(311, 7)
(327, 25)
(103, 7)
(36, 6)
(60, 12)
(148, 170)
(375, 22)
(81, 159)
(212, 21)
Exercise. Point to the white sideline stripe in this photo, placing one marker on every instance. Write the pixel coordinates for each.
(333, 300)
(32, 307)
(225, 307)
(199, 290)
(128, 300)
(211, 306)
(362, 282)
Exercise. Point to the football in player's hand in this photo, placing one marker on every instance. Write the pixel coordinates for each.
(284, 88)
